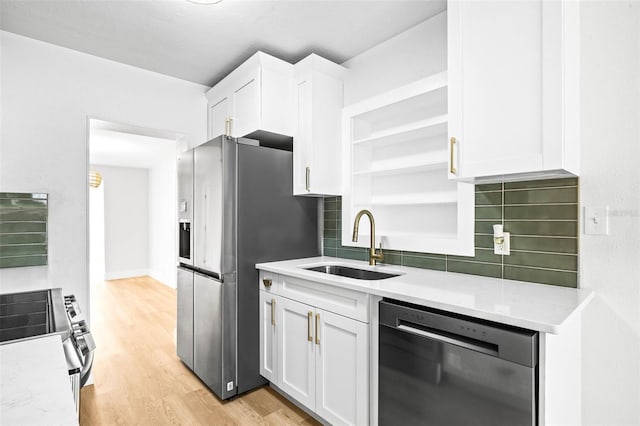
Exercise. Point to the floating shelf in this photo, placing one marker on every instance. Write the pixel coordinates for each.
(403, 165)
(444, 197)
(399, 170)
(411, 131)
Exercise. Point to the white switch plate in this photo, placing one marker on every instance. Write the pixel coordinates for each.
(596, 220)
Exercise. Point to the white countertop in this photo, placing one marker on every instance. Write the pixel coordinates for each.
(34, 384)
(538, 307)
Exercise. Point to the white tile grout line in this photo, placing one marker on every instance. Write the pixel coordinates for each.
(543, 188)
(532, 236)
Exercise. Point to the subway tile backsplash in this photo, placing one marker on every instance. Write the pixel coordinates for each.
(23, 229)
(541, 215)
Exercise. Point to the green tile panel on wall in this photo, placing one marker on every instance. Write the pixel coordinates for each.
(23, 229)
(541, 215)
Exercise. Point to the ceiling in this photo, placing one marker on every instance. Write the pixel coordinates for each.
(203, 43)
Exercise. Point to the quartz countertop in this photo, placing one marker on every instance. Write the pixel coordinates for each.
(538, 307)
(34, 383)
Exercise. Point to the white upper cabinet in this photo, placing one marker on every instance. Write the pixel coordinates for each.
(318, 101)
(254, 100)
(395, 165)
(513, 89)
(219, 112)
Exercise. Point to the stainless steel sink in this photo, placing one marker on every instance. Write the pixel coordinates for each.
(345, 271)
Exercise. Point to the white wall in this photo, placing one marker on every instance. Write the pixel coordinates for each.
(407, 57)
(47, 94)
(610, 175)
(162, 221)
(126, 221)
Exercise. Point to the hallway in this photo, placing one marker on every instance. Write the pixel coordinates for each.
(140, 380)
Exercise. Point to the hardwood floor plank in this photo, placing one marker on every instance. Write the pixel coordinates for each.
(139, 380)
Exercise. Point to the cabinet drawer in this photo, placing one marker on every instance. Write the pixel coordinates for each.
(269, 282)
(341, 301)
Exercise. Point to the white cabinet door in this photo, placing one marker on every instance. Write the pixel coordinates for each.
(509, 88)
(296, 362)
(268, 336)
(318, 97)
(219, 112)
(246, 103)
(302, 146)
(342, 369)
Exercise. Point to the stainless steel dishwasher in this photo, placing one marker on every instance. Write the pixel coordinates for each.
(438, 368)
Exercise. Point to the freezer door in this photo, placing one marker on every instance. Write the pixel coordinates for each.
(185, 317)
(208, 200)
(214, 334)
(208, 330)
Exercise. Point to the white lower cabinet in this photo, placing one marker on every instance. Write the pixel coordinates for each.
(317, 357)
(297, 352)
(342, 385)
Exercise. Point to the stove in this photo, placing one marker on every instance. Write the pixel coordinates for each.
(24, 315)
(32, 314)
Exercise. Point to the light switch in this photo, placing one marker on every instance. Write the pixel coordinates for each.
(596, 220)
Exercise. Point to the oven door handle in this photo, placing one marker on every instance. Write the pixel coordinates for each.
(446, 339)
(86, 368)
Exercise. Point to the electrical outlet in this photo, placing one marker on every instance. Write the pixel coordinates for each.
(504, 247)
(229, 386)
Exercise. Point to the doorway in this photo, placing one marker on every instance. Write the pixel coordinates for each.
(132, 208)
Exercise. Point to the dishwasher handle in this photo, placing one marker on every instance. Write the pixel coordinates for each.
(488, 349)
(511, 343)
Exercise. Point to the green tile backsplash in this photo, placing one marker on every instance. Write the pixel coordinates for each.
(23, 229)
(541, 215)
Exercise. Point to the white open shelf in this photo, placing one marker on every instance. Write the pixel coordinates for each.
(418, 162)
(396, 162)
(444, 197)
(415, 130)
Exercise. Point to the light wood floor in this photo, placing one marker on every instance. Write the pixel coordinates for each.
(139, 380)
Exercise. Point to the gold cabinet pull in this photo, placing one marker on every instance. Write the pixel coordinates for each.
(452, 168)
(227, 131)
(273, 311)
(230, 126)
(317, 329)
(308, 179)
(309, 331)
(267, 282)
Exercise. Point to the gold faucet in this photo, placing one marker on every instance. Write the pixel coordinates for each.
(373, 256)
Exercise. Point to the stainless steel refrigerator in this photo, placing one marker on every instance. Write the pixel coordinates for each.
(235, 209)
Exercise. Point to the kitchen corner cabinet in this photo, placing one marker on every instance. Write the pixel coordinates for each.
(318, 101)
(313, 354)
(253, 99)
(513, 89)
(395, 161)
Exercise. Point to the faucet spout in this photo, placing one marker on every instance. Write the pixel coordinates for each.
(373, 256)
